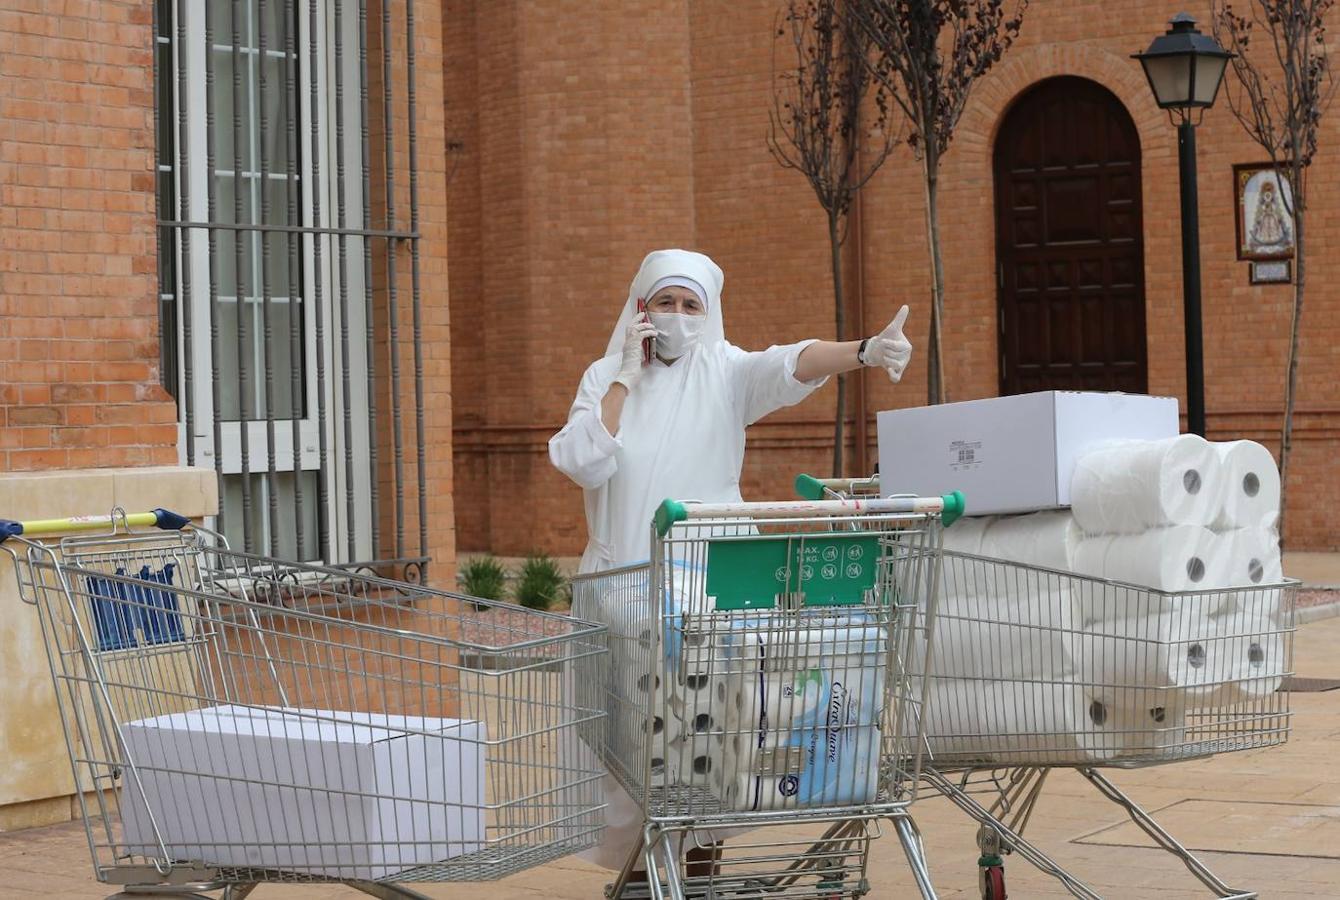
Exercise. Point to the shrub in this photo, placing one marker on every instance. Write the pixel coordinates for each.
(484, 577)
(541, 584)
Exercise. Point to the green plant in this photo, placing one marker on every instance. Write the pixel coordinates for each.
(541, 583)
(484, 577)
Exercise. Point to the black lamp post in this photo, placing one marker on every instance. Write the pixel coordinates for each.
(1185, 68)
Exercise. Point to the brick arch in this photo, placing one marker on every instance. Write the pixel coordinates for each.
(1024, 67)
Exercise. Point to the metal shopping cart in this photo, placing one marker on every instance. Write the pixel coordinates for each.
(758, 681)
(1036, 669)
(235, 720)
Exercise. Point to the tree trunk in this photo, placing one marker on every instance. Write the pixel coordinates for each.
(839, 322)
(935, 375)
(1291, 379)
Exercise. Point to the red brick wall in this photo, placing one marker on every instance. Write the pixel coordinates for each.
(577, 160)
(78, 313)
(592, 138)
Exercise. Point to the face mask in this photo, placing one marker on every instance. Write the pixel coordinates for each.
(677, 333)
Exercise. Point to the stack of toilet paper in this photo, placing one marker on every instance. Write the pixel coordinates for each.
(750, 710)
(803, 714)
(1181, 514)
(1033, 663)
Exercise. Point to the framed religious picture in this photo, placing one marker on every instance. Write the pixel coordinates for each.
(1264, 204)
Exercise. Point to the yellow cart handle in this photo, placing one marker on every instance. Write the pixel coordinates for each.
(159, 518)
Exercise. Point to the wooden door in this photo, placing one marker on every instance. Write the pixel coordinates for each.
(1069, 242)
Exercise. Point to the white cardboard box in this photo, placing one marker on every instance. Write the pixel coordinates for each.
(1010, 454)
(337, 794)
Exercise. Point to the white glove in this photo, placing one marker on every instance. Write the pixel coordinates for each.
(630, 370)
(889, 350)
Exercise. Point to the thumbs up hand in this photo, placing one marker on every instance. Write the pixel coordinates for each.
(889, 350)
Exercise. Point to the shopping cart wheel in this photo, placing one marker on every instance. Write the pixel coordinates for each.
(991, 879)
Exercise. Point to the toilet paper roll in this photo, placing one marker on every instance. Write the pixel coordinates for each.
(1153, 726)
(643, 684)
(1250, 557)
(774, 706)
(1212, 659)
(965, 535)
(705, 641)
(841, 770)
(1011, 635)
(1018, 723)
(1047, 539)
(625, 609)
(1090, 556)
(1251, 486)
(698, 702)
(665, 729)
(1133, 486)
(783, 643)
(693, 761)
(775, 701)
(662, 738)
(1175, 558)
(1181, 649)
(1253, 652)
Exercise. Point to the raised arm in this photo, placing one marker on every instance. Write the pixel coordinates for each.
(889, 350)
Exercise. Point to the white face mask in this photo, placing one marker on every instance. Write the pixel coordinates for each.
(677, 334)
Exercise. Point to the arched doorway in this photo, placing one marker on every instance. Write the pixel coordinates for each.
(1069, 242)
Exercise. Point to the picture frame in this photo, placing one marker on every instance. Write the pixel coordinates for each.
(1271, 271)
(1262, 198)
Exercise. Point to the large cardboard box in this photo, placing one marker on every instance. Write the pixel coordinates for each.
(337, 794)
(1010, 454)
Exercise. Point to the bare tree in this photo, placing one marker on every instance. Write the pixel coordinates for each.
(928, 55)
(815, 128)
(1283, 87)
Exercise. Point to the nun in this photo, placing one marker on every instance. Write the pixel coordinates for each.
(671, 423)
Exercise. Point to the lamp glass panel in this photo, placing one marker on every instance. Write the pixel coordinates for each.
(1209, 72)
(1170, 77)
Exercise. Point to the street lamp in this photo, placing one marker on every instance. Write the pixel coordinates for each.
(1185, 68)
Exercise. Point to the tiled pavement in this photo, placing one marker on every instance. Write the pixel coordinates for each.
(1265, 820)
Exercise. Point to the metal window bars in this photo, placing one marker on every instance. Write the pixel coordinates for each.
(234, 719)
(286, 334)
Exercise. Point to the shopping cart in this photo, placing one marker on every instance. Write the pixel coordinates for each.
(757, 681)
(1036, 669)
(235, 720)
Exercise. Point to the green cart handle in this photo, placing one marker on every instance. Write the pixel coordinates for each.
(811, 488)
(159, 518)
(949, 507)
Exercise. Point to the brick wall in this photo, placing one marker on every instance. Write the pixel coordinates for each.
(79, 384)
(563, 116)
(592, 138)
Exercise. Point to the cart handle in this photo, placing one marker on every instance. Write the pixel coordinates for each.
(949, 506)
(811, 488)
(159, 518)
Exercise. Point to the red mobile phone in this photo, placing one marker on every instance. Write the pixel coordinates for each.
(648, 343)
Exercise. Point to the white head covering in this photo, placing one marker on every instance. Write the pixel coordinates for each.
(661, 264)
(679, 281)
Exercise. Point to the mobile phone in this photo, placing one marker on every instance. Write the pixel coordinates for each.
(648, 343)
